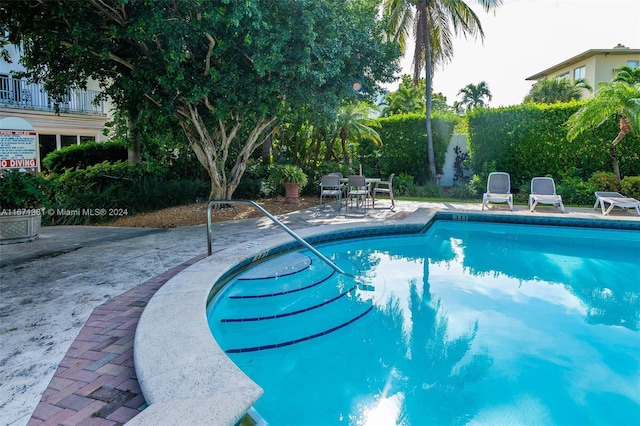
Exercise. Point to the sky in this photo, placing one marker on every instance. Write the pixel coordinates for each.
(523, 37)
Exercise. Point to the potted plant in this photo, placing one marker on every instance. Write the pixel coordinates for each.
(292, 177)
(22, 199)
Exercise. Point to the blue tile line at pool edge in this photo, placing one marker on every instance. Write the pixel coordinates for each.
(282, 293)
(532, 220)
(300, 340)
(279, 275)
(288, 314)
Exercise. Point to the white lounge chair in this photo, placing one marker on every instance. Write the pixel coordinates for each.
(386, 188)
(615, 199)
(330, 186)
(543, 191)
(498, 190)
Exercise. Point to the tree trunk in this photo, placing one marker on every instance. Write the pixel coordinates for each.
(616, 165)
(133, 151)
(212, 149)
(428, 95)
(625, 127)
(266, 150)
(345, 152)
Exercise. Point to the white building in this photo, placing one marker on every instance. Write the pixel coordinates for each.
(594, 66)
(74, 120)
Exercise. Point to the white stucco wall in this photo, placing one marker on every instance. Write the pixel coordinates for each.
(448, 170)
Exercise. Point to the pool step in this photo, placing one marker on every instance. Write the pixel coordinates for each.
(275, 325)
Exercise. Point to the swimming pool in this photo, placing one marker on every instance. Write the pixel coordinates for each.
(467, 323)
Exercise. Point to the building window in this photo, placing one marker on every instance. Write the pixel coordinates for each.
(579, 73)
(633, 64)
(68, 140)
(85, 139)
(47, 145)
(563, 75)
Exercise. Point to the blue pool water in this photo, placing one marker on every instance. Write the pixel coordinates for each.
(468, 323)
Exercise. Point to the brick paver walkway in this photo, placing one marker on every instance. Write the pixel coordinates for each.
(96, 384)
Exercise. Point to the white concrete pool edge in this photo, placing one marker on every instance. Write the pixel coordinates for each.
(184, 375)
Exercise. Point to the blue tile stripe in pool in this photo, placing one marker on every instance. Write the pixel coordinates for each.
(545, 220)
(302, 339)
(299, 266)
(281, 293)
(288, 314)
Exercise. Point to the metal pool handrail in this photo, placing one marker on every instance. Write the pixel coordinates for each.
(277, 222)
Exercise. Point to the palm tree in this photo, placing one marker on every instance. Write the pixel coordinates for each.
(473, 95)
(615, 99)
(351, 121)
(552, 90)
(432, 23)
(628, 74)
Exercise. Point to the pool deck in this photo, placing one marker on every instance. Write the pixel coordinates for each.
(72, 300)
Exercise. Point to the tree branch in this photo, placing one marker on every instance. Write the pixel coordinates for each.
(208, 104)
(111, 56)
(207, 60)
(117, 16)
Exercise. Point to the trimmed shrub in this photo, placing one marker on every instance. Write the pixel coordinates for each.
(630, 186)
(403, 184)
(463, 192)
(119, 186)
(404, 145)
(531, 140)
(430, 190)
(23, 190)
(84, 155)
(604, 181)
(574, 190)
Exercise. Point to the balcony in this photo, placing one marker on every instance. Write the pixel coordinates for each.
(16, 93)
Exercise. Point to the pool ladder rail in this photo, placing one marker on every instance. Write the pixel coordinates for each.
(277, 222)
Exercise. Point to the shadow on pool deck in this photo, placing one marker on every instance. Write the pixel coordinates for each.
(54, 291)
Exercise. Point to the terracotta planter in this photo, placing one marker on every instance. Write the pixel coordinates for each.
(19, 228)
(292, 193)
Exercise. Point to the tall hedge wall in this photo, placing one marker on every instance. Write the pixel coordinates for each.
(404, 145)
(85, 155)
(531, 140)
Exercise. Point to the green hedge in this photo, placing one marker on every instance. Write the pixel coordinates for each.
(404, 145)
(84, 155)
(630, 186)
(530, 140)
(119, 186)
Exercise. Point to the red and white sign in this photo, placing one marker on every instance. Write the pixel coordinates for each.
(18, 149)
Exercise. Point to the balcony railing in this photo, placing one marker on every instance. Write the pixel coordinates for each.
(16, 93)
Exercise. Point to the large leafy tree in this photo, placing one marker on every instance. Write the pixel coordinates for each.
(617, 100)
(474, 95)
(552, 90)
(225, 70)
(407, 99)
(432, 23)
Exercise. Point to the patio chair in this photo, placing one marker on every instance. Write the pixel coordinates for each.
(357, 188)
(498, 190)
(543, 191)
(330, 186)
(384, 187)
(615, 199)
(343, 184)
